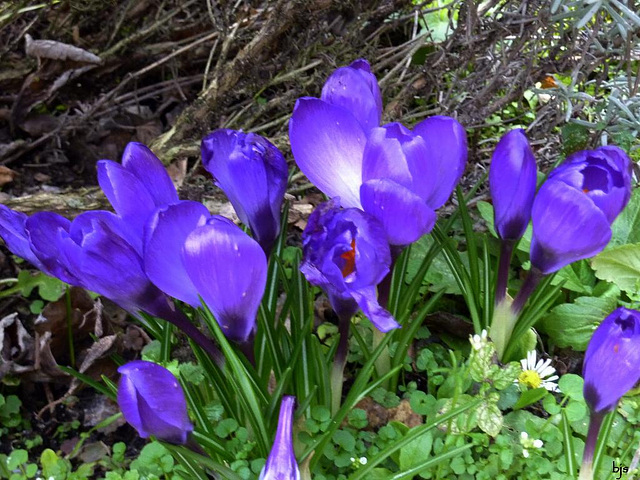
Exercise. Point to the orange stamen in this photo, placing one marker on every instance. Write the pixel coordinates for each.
(616, 348)
(585, 190)
(350, 259)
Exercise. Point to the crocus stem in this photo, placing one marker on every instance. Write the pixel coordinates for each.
(246, 347)
(72, 350)
(339, 362)
(529, 285)
(383, 362)
(506, 313)
(506, 251)
(204, 342)
(586, 470)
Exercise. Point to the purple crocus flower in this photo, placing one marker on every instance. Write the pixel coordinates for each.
(397, 175)
(252, 172)
(190, 254)
(153, 402)
(611, 362)
(93, 252)
(512, 180)
(575, 207)
(136, 188)
(281, 463)
(346, 254)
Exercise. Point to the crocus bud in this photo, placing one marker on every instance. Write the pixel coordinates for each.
(281, 463)
(512, 181)
(612, 360)
(345, 252)
(252, 172)
(153, 402)
(136, 188)
(574, 209)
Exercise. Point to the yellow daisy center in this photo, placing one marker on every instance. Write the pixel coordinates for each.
(530, 378)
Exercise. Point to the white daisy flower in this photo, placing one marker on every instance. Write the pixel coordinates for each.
(537, 374)
(478, 341)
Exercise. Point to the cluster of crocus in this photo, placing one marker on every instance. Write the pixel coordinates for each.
(397, 175)
(610, 370)
(571, 214)
(155, 246)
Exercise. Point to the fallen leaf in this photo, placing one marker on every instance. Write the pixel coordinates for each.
(6, 175)
(58, 51)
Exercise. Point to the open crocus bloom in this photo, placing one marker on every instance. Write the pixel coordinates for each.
(281, 463)
(252, 172)
(611, 361)
(153, 402)
(397, 175)
(346, 254)
(575, 207)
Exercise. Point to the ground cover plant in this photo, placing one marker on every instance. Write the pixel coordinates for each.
(414, 322)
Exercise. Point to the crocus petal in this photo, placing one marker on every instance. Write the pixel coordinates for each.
(611, 362)
(328, 143)
(46, 231)
(229, 270)
(281, 463)
(395, 153)
(404, 215)
(447, 144)
(567, 226)
(355, 89)
(107, 264)
(153, 402)
(14, 234)
(368, 303)
(166, 233)
(512, 180)
(253, 174)
(126, 193)
(139, 160)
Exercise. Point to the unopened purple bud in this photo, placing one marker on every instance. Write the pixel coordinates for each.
(612, 360)
(512, 180)
(252, 172)
(153, 402)
(281, 463)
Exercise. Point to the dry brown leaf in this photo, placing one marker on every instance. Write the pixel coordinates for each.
(6, 175)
